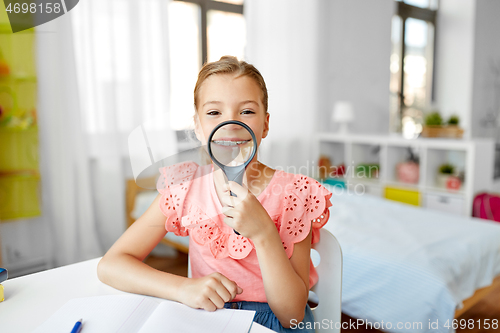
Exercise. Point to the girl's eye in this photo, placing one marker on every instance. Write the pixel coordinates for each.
(247, 112)
(213, 113)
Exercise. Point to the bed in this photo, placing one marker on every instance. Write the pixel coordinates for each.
(402, 264)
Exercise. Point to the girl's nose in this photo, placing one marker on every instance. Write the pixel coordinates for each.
(232, 117)
(232, 127)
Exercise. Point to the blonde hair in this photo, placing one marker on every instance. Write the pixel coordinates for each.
(230, 65)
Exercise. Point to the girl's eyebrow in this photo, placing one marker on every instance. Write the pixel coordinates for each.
(249, 102)
(212, 102)
(241, 103)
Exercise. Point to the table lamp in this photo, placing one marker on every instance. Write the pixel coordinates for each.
(342, 114)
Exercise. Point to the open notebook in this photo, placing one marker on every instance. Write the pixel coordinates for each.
(134, 313)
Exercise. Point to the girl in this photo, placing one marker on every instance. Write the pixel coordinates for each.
(267, 268)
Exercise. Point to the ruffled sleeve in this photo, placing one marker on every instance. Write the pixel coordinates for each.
(306, 204)
(173, 185)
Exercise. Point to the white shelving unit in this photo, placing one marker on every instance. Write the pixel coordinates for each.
(474, 157)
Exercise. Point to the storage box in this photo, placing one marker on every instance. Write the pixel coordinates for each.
(411, 197)
(446, 203)
(336, 182)
(19, 149)
(19, 196)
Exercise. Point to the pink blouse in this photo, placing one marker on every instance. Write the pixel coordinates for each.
(192, 207)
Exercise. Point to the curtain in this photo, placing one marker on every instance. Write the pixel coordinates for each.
(66, 193)
(103, 72)
(283, 43)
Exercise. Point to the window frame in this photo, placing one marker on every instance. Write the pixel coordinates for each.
(405, 11)
(205, 6)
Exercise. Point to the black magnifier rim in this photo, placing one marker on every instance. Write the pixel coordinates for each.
(227, 122)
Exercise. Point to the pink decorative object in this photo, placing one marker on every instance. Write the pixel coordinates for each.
(453, 183)
(407, 172)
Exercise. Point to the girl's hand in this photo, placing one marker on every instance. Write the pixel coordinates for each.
(209, 292)
(245, 214)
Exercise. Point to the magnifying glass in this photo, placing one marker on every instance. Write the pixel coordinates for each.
(231, 146)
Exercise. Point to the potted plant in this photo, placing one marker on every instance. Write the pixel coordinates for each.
(446, 177)
(453, 130)
(453, 121)
(433, 125)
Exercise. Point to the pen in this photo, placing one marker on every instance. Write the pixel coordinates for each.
(78, 327)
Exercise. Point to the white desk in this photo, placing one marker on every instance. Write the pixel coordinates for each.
(32, 299)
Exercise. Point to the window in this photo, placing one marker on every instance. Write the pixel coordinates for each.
(200, 31)
(412, 64)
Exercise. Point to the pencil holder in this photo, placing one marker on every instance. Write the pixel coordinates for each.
(3, 276)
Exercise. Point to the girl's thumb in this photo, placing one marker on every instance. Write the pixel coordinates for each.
(240, 290)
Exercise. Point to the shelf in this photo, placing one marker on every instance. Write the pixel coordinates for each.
(6, 29)
(365, 181)
(17, 78)
(21, 196)
(20, 149)
(441, 190)
(473, 158)
(21, 173)
(395, 140)
(403, 185)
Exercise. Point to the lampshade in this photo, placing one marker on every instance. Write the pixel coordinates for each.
(342, 112)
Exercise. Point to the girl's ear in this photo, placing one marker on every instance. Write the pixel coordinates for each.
(266, 126)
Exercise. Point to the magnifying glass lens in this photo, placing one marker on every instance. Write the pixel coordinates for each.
(232, 145)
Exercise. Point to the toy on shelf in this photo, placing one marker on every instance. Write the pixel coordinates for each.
(331, 174)
(408, 171)
(324, 165)
(367, 170)
(4, 69)
(337, 171)
(4, 66)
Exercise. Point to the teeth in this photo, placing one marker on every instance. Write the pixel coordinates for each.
(229, 143)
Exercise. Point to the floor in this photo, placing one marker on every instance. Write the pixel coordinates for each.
(488, 308)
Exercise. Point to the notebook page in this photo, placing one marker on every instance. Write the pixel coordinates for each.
(115, 313)
(176, 317)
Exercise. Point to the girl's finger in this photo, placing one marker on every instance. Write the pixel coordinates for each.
(216, 300)
(231, 287)
(228, 211)
(224, 293)
(228, 221)
(208, 305)
(240, 191)
(226, 200)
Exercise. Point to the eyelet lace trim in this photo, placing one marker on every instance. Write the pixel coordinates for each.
(173, 185)
(304, 204)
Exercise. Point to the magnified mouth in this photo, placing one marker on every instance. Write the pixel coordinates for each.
(230, 142)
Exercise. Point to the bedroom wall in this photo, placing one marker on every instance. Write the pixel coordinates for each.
(454, 59)
(486, 78)
(283, 40)
(357, 42)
